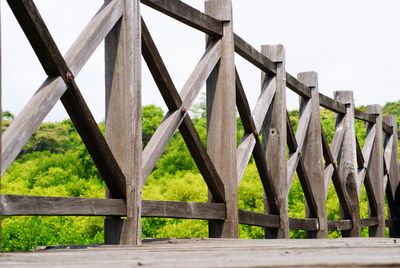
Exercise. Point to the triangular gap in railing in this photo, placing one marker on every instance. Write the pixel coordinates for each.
(54, 88)
(178, 106)
(251, 143)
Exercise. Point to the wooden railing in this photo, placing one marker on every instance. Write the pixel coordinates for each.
(278, 151)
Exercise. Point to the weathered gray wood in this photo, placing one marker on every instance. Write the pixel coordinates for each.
(53, 88)
(251, 54)
(252, 136)
(297, 87)
(258, 219)
(312, 154)
(331, 104)
(258, 115)
(274, 138)
(387, 129)
(348, 160)
(221, 120)
(173, 119)
(185, 210)
(375, 170)
(366, 117)
(14, 205)
(393, 172)
(123, 113)
(330, 163)
(366, 154)
(339, 225)
(187, 15)
(335, 149)
(310, 224)
(294, 157)
(356, 252)
(370, 223)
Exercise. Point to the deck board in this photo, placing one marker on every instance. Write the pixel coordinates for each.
(347, 252)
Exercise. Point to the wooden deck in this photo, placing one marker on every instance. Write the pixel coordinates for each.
(349, 252)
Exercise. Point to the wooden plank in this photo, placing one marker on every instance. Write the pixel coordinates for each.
(387, 129)
(251, 54)
(187, 15)
(348, 161)
(297, 87)
(252, 122)
(301, 171)
(173, 119)
(334, 174)
(293, 160)
(123, 114)
(312, 155)
(310, 224)
(258, 219)
(202, 159)
(364, 155)
(370, 222)
(187, 129)
(73, 100)
(183, 210)
(375, 171)
(274, 139)
(331, 104)
(29, 119)
(221, 120)
(15, 205)
(392, 189)
(252, 136)
(366, 117)
(339, 225)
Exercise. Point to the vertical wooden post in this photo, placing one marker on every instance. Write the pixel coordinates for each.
(221, 120)
(123, 118)
(312, 153)
(375, 170)
(348, 161)
(391, 156)
(274, 139)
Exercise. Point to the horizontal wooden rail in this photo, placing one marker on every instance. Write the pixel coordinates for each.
(297, 87)
(251, 54)
(369, 222)
(310, 224)
(15, 205)
(187, 15)
(331, 104)
(339, 225)
(258, 219)
(370, 118)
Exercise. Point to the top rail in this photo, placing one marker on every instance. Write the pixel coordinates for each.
(186, 14)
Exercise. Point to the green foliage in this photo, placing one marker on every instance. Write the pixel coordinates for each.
(55, 162)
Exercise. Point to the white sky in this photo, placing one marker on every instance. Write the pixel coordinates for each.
(353, 45)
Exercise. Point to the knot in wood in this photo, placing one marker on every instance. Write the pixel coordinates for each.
(69, 77)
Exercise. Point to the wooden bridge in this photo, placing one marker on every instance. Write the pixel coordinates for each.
(278, 151)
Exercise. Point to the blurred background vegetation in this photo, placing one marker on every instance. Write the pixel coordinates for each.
(56, 163)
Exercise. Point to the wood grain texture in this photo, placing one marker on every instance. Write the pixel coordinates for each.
(275, 137)
(348, 160)
(14, 205)
(221, 120)
(258, 219)
(297, 87)
(375, 170)
(123, 114)
(252, 55)
(312, 154)
(350, 252)
(187, 15)
(27, 121)
(331, 104)
(393, 173)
